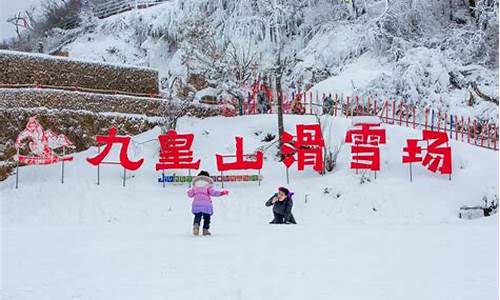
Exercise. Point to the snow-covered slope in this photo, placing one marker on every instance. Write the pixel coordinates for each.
(424, 52)
(382, 239)
(421, 78)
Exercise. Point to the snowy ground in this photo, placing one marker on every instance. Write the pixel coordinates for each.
(384, 239)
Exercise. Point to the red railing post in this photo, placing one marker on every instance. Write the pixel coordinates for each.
(254, 104)
(468, 130)
(481, 136)
(475, 131)
(386, 107)
(310, 103)
(426, 117)
(445, 120)
(335, 105)
(341, 104)
(367, 106)
(400, 113)
(414, 116)
(462, 126)
(304, 100)
(393, 111)
(494, 136)
(407, 115)
(488, 135)
(433, 124)
(439, 121)
(347, 107)
(357, 106)
(317, 99)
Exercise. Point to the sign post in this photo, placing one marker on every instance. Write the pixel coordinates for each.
(109, 140)
(17, 170)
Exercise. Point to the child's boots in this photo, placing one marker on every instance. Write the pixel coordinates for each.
(196, 229)
(206, 232)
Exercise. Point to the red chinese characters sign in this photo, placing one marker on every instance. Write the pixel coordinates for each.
(307, 147)
(176, 151)
(365, 146)
(109, 140)
(437, 152)
(240, 163)
(42, 144)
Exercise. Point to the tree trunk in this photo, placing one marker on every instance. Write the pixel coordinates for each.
(472, 7)
(482, 95)
(280, 113)
(354, 8)
(450, 4)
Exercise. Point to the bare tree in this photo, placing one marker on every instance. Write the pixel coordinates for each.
(172, 110)
(278, 72)
(17, 21)
(240, 61)
(224, 63)
(475, 89)
(277, 10)
(53, 14)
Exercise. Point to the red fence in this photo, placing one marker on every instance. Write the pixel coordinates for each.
(460, 128)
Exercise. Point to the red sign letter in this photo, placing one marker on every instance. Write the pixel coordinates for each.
(366, 154)
(437, 157)
(109, 140)
(176, 151)
(308, 146)
(240, 163)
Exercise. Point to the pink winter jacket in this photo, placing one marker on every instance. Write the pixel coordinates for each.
(202, 201)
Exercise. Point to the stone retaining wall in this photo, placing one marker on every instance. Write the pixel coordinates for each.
(28, 68)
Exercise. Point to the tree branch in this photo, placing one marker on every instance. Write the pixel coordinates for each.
(481, 94)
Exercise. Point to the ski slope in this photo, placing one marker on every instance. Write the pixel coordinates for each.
(383, 239)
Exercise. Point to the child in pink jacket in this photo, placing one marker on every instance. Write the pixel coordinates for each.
(201, 193)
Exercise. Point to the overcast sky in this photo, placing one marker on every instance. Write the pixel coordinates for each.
(9, 8)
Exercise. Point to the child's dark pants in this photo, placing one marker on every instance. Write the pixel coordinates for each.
(206, 219)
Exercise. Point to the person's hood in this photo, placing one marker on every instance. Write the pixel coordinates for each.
(202, 181)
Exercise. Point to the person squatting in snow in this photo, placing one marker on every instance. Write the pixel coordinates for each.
(202, 207)
(282, 207)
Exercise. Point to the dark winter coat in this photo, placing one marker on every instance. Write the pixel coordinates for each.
(283, 208)
(327, 105)
(263, 103)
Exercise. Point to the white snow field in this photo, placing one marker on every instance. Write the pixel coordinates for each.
(384, 239)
